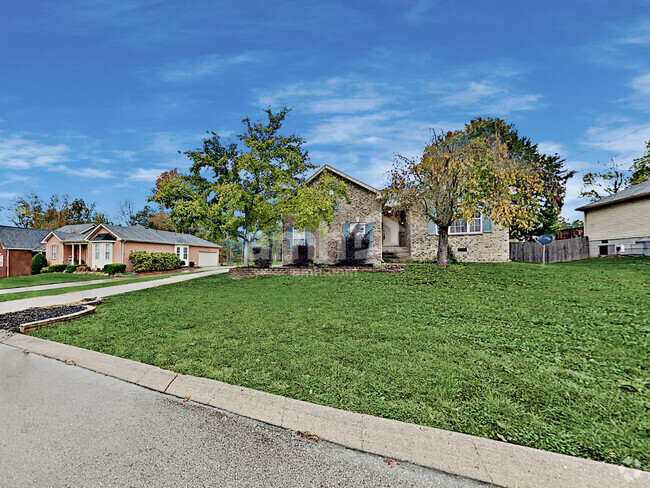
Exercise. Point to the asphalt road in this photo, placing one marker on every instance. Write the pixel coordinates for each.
(61, 425)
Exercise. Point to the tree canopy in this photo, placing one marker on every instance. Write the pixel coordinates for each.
(465, 172)
(33, 212)
(243, 189)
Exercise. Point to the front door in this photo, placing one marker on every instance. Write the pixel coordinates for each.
(102, 254)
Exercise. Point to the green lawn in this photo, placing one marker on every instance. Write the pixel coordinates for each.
(45, 279)
(553, 357)
(19, 295)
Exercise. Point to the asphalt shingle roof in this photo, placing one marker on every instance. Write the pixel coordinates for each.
(19, 238)
(139, 233)
(76, 228)
(636, 191)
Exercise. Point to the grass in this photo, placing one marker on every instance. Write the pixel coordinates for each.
(19, 295)
(553, 357)
(45, 279)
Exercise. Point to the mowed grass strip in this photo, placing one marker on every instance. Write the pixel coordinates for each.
(45, 279)
(553, 357)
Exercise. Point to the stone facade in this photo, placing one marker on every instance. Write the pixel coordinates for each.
(328, 241)
(485, 247)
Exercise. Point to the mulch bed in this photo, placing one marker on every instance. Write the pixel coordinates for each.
(12, 321)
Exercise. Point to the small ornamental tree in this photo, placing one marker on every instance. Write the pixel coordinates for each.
(39, 261)
(240, 191)
(464, 172)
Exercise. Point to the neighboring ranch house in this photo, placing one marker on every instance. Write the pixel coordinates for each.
(17, 248)
(99, 245)
(395, 234)
(619, 223)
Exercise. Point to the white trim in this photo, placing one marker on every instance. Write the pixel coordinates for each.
(467, 226)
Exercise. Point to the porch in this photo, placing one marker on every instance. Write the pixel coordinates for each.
(395, 237)
(74, 252)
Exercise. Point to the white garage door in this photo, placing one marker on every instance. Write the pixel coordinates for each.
(208, 259)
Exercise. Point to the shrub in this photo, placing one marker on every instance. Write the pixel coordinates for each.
(262, 257)
(355, 248)
(191, 264)
(45, 270)
(71, 268)
(302, 255)
(39, 262)
(141, 261)
(114, 268)
(57, 268)
(163, 261)
(182, 263)
(156, 261)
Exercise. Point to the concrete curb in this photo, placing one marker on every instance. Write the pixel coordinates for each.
(482, 459)
(41, 324)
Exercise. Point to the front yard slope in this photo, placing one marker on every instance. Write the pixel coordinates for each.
(553, 357)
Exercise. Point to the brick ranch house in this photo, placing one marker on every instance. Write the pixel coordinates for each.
(17, 248)
(395, 234)
(99, 245)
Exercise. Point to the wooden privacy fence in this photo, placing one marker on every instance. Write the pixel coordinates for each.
(555, 252)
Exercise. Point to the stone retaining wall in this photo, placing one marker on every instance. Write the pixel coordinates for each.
(240, 273)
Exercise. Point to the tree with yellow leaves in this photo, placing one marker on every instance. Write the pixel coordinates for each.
(464, 172)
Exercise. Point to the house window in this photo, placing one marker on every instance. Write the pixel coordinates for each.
(463, 226)
(107, 252)
(53, 251)
(97, 251)
(362, 229)
(298, 237)
(2, 259)
(182, 252)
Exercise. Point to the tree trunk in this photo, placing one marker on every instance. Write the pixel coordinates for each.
(245, 252)
(443, 246)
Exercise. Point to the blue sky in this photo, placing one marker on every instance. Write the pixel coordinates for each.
(97, 96)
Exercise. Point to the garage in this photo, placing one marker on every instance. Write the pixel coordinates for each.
(208, 258)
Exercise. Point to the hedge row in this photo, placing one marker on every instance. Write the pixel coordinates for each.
(114, 268)
(156, 261)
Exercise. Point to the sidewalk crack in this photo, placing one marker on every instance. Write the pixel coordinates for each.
(170, 383)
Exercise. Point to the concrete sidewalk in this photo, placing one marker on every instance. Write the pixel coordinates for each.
(49, 301)
(494, 462)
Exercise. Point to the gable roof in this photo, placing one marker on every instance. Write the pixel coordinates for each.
(632, 193)
(335, 171)
(76, 228)
(20, 238)
(139, 233)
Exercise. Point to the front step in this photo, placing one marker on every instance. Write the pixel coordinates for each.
(397, 255)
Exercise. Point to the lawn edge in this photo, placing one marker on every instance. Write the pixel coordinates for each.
(500, 463)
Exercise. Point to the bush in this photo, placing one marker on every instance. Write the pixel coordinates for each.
(157, 261)
(71, 268)
(141, 261)
(302, 255)
(163, 261)
(39, 261)
(182, 263)
(114, 268)
(191, 264)
(45, 270)
(262, 257)
(57, 268)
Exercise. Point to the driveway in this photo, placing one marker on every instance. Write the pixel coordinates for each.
(48, 301)
(66, 426)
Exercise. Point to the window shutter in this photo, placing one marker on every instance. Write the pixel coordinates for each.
(369, 234)
(307, 237)
(289, 238)
(346, 230)
(487, 224)
(433, 228)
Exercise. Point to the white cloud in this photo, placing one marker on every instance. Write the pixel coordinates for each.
(17, 152)
(639, 35)
(550, 147)
(640, 99)
(421, 12)
(8, 195)
(146, 174)
(210, 65)
(623, 141)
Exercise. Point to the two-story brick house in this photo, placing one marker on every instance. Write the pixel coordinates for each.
(395, 234)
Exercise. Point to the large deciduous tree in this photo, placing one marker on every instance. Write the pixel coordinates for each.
(242, 190)
(551, 169)
(465, 172)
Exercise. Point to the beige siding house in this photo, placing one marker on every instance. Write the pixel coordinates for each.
(620, 223)
(394, 234)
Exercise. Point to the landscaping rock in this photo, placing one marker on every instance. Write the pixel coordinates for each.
(12, 321)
